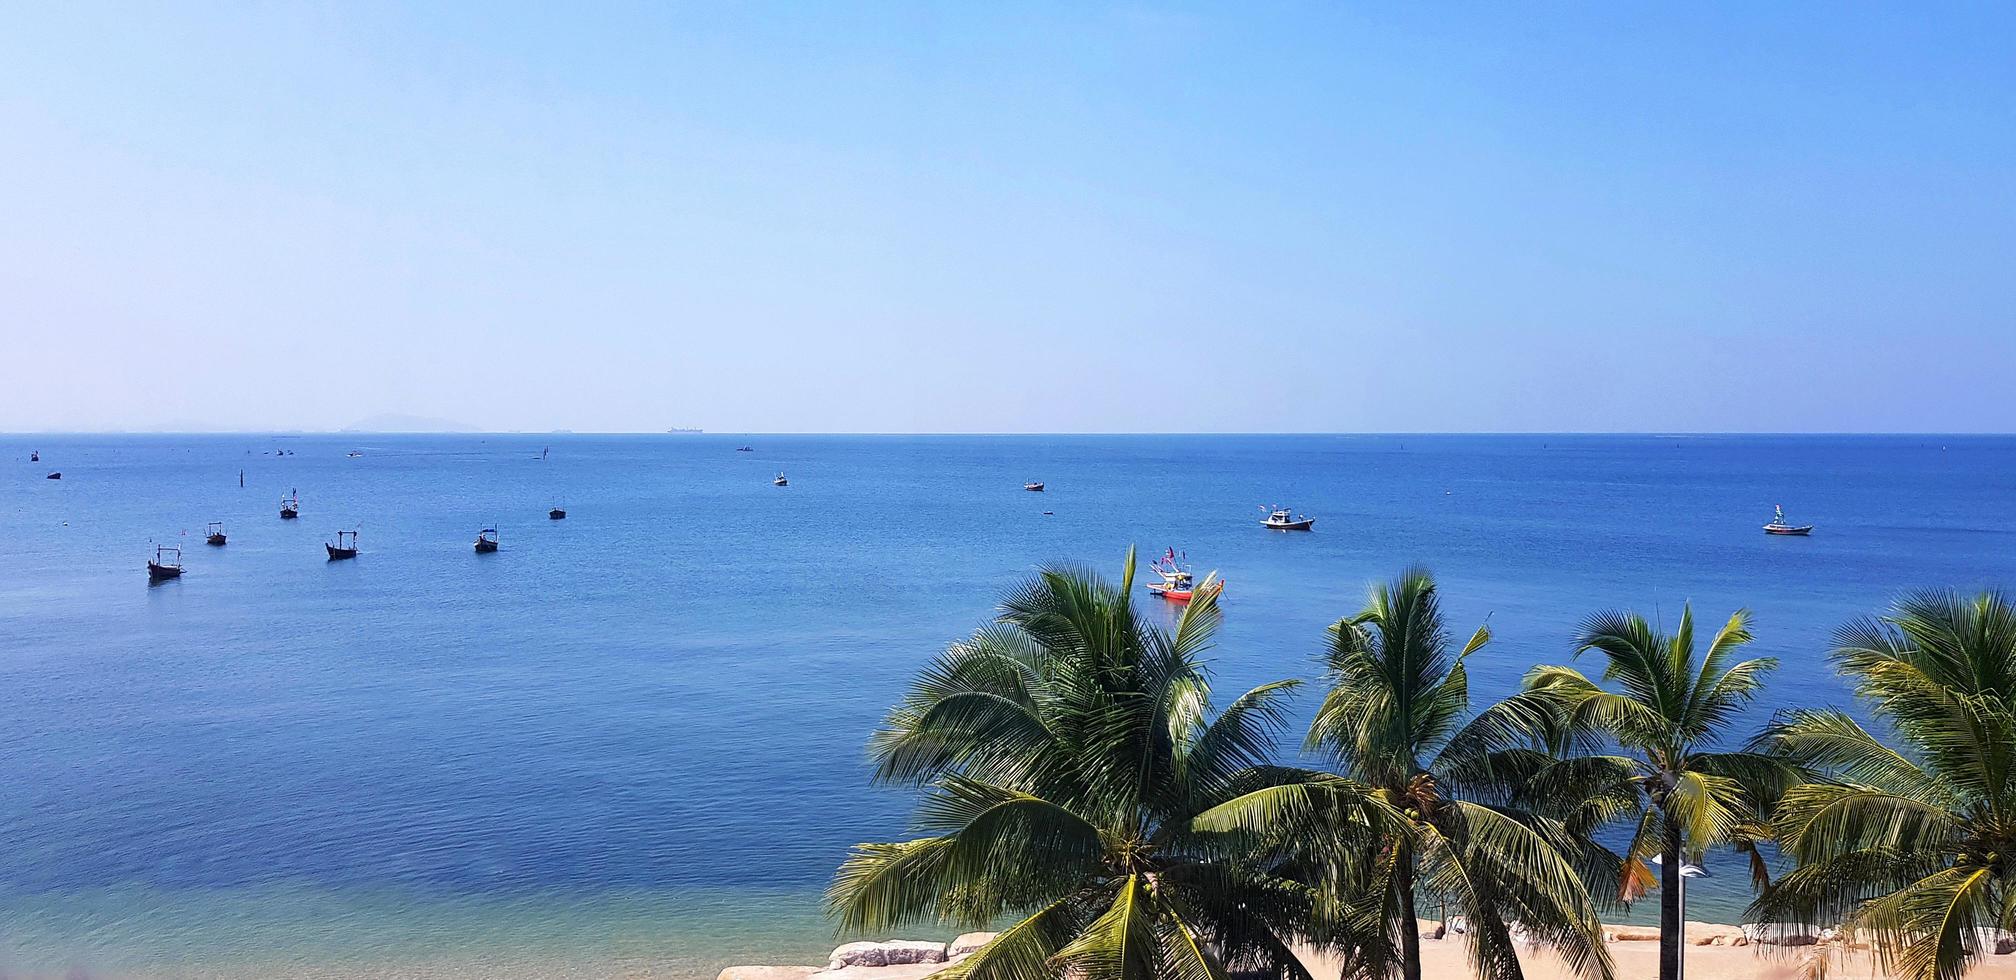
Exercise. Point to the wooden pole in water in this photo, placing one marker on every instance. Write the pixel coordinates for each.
(241, 479)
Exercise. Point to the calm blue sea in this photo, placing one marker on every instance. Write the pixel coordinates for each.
(636, 734)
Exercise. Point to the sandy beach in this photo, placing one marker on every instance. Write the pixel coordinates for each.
(1442, 960)
(1715, 952)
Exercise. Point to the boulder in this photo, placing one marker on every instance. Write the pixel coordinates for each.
(1780, 934)
(889, 952)
(767, 972)
(906, 971)
(1995, 942)
(968, 943)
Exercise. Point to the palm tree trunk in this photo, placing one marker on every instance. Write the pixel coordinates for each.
(1410, 927)
(1670, 883)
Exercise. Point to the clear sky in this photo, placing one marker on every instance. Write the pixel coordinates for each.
(1010, 217)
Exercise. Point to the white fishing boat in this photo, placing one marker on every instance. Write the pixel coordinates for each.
(1779, 525)
(1282, 520)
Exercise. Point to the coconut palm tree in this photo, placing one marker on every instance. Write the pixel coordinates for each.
(1398, 722)
(1671, 712)
(1066, 749)
(1914, 846)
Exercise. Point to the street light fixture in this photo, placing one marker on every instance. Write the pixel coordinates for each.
(1687, 870)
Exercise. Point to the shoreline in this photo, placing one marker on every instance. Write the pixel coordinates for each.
(1714, 951)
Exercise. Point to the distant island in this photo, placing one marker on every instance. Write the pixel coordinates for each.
(685, 432)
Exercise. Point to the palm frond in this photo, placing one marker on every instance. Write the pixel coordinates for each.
(1240, 739)
(1709, 809)
(1023, 951)
(888, 886)
(1818, 821)
(1636, 656)
(1119, 945)
(1830, 743)
(1931, 929)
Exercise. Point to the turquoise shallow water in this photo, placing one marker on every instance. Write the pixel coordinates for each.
(304, 929)
(634, 736)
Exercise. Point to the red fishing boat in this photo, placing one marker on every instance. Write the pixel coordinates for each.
(1178, 583)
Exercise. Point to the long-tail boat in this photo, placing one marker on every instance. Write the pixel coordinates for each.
(344, 547)
(167, 564)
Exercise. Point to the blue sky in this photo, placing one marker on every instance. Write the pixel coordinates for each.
(993, 217)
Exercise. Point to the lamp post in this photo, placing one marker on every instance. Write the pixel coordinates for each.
(1687, 870)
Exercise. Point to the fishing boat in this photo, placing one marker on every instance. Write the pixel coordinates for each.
(1281, 520)
(556, 514)
(167, 564)
(214, 534)
(353, 454)
(486, 541)
(34, 457)
(1779, 525)
(1178, 583)
(1186, 589)
(1033, 486)
(290, 506)
(745, 449)
(58, 475)
(344, 547)
(780, 481)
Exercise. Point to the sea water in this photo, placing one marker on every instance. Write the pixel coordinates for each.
(631, 741)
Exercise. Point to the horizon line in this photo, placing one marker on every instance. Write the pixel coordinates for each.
(996, 434)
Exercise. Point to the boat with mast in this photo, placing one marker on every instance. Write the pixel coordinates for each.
(214, 533)
(556, 514)
(290, 506)
(345, 546)
(486, 541)
(1779, 525)
(1178, 583)
(167, 564)
(780, 481)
